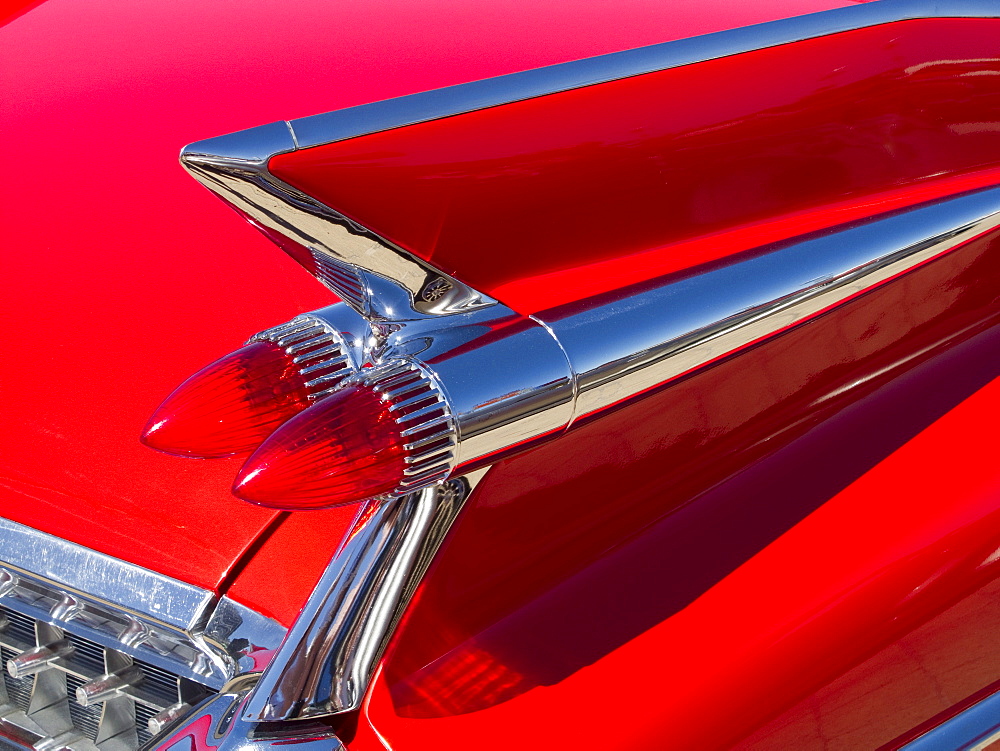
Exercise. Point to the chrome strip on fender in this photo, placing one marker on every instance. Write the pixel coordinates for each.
(644, 339)
(365, 119)
(390, 283)
(325, 664)
(182, 628)
(975, 729)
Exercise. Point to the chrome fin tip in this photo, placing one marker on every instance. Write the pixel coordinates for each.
(253, 146)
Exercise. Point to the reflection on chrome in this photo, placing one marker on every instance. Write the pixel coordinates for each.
(217, 723)
(325, 665)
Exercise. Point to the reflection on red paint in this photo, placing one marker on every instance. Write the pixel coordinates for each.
(134, 255)
(557, 198)
(690, 543)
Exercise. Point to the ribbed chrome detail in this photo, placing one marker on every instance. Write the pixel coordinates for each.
(342, 278)
(316, 348)
(423, 417)
(62, 690)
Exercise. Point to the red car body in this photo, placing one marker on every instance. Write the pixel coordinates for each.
(793, 547)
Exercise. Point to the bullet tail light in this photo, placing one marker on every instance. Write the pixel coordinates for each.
(230, 406)
(386, 431)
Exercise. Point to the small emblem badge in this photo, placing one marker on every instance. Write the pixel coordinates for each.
(435, 290)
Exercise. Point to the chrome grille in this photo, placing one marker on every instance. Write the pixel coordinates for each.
(47, 705)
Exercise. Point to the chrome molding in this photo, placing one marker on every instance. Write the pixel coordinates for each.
(325, 664)
(380, 280)
(975, 729)
(176, 626)
(365, 119)
(218, 723)
(385, 282)
(652, 335)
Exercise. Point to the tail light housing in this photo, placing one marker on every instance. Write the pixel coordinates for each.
(386, 431)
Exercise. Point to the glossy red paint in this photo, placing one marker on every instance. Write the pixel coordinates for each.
(125, 276)
(280, 576)
(557, 198)
(725, 548)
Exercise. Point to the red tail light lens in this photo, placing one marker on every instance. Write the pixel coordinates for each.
(230, 406)
(388, 433)
(345, 448)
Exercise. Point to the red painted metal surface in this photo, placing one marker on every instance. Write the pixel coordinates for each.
(682, 552)
(280, 576)
(560, 197)
(718, 552)
(123, 276)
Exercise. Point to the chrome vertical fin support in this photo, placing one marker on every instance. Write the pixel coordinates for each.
(325, 664)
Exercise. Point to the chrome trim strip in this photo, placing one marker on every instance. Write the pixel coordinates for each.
(179, 627)
(643, 340)
(365, 119)
(217, 723)
(974, 729)
(326, 662)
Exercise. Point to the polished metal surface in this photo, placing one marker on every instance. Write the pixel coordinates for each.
(380, 280)
(170, 624)
(634, 342)
(82, 696)
(218, 723)
(331, 652)
(975, 729)
(505, 378)
(419, 407)
(321, 345)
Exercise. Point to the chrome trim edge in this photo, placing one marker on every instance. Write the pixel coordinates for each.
(974, 729)
(101, 578)
(327, 660)
(218, 723)
(177, 626)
